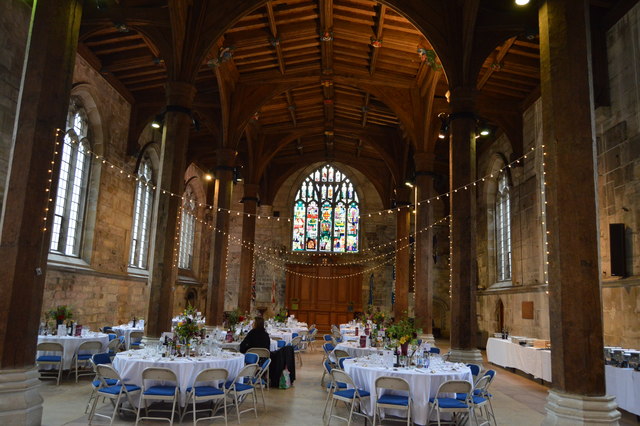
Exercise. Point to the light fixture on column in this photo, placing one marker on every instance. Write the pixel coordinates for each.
(483, 128)
(208, 177)
(522, 2)
(157, 121)
(237, 176)
(444, 125)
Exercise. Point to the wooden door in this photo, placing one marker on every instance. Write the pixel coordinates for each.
(324, 294)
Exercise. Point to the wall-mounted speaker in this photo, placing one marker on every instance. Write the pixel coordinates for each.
(617, 250)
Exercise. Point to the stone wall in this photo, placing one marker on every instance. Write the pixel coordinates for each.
(14, 26)
(618, 157)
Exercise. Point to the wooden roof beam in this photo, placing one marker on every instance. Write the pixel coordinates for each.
(275, 41)
(499, 56)
(365, 109)
(291, 106)
(326, 36)
(376, 44)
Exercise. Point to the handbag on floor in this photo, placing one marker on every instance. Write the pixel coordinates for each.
(285, 379)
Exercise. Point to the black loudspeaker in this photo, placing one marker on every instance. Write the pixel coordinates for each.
(617, 250)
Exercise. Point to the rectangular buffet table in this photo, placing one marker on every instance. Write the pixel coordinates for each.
(536, 362)
(624, 384)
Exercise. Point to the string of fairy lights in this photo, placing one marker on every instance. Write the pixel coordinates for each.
(543, 213)
(47, 188)
(133, 176)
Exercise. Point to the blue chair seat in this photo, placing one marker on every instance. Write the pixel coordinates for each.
(161, 390)
(394, 399)
(49, 358)
(239, 386)
(84, 357)
(114, 390)
(109, 382)
(348, 393)
(206, 391)
(281, 343)
(477, 392)
(134, 344)
(449, 403)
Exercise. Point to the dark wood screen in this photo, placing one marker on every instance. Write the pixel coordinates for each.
(323, 301)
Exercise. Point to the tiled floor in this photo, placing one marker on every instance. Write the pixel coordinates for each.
(517, 400)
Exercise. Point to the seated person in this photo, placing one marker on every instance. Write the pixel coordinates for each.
(257, 337)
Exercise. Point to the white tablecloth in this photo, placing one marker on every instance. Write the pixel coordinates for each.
(71, 344)
(354, 349)
(423, 383)
(284, 335)
(536, 362)
(624, 383)
(236, 345)
(130, 365)
(125, 330)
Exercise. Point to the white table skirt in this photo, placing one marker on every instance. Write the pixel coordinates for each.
(423, 385)
(71, 344)
(354, 349)
(536, 362)
(130, 365)
(624, 383)
(236, 345)
(284, 335)
(125, 330)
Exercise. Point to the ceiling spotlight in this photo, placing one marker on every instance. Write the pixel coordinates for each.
(522, 2)
(157, 122)
(444, 125)
(208, 177)
(484, 129)
(409, 183)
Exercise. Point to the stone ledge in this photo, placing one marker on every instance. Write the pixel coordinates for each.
(20, 401)
(571, 409)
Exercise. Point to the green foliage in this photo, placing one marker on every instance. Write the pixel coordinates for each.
(404, 331)
(60, 313)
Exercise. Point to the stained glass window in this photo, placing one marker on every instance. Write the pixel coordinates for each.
(71, 197)
(326, 213)
(503, 229)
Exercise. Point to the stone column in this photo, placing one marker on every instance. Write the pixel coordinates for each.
(462, 203)
(424, 243)
(24, 238)
(403, 226)
(250, 202)
(575, 306)
(218, 260)
(166, 230)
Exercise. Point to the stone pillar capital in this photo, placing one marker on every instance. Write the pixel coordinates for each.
(180, 93)
(250, 193)
(225, 158)
(463, 99)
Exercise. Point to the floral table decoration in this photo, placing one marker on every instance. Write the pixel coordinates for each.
(404, 332)
(60, 314)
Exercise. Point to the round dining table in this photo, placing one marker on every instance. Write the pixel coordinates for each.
(125, 330)
(354, 349)
(423, 382)
(71, 345)
(131, 364)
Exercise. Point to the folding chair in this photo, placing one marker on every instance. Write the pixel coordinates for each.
(103, 358)
(135, 340)
(351, 396)
(296, 342)
(238, 390)
(251, 358)
(263, 353)
(83, 355)
(331, 386)
(475, 371)
(154, 392)
(452, 405)
(261, 379)
(216, 395)
(434, 350)
(114, 347)
(480, 400)
(392, 400)
(51, 360)
(107, 374)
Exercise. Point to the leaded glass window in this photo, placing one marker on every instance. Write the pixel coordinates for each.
(187, 230)
(326, 213)
(503, 229)
(143, 204)
(71, 196)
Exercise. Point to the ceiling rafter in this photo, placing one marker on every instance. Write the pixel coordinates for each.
(275, 40)
(498, 56)
(376, 43)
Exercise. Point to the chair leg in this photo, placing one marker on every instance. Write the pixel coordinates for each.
(333, 404)
(237, 409)
(115, 408)
(93, 408)
(255, 402)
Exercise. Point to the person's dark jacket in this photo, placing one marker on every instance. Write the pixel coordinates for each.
(256, 338)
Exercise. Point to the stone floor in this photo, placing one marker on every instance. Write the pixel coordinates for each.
(517, 400)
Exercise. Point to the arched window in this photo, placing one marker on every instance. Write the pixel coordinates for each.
(326, 213)
(143, 204)
(187, 230)
(66, 232)
(503, 228)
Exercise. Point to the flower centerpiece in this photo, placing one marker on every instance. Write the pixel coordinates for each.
(187, 327)
(404, 332)
(60, 314)
(232, 318)
(282, 315)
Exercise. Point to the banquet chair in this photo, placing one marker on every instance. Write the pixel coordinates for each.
(479, 400)
(331, 386)
(135, 340)
(342, 360)
(251, 358)
(434, 350)
(117, 392)
(112, 336)
(296, 342)
(239, 391)
(261, 379)
(475, 371)
(392, 400)
(491, 374)
(88, 349)
(311, 338)
(263, 353)
(96, 359)
(156, 392)
(452, 405)
(206, 392)
(51, 360)
(351, 396)
(107, 329)
(114, 347)
(281, 343)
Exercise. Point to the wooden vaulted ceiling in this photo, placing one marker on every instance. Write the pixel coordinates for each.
(340, 70)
